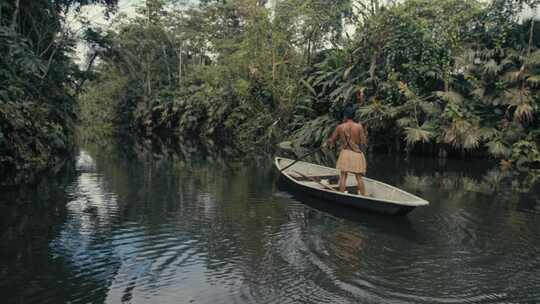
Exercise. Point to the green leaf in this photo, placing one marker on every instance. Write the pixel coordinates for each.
(534, 81)
(450, 96)
(471, 140)
(347, 72)
(309, 87)
(405, 122)
(498, 149)
(491, 67)
(414, 135)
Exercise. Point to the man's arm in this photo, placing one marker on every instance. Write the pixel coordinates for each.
(332, 140)
(363, 134)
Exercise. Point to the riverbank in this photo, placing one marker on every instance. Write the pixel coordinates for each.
(428, 77)
(39, 84)
(452, 78)
(494, 175)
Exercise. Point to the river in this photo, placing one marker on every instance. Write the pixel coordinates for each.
(156, 227)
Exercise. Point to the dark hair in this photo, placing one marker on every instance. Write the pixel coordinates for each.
(349, 112)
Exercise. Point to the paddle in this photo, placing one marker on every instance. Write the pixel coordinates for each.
(300, 158)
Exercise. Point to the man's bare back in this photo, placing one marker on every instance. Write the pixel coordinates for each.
(357, 136)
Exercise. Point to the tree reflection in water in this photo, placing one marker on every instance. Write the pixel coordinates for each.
(147, 221)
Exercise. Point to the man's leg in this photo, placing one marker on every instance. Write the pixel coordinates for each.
(342, 180)
(361, 186)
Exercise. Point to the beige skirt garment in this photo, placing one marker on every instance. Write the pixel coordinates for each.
(350, 161)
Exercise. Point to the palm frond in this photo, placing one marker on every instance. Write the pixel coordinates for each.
(486, 54)
(534, 58)
(466, 59)
(514, 55)
(479, 92)
(516, 96)
(414, 135)
(347, 72)
(471, 140)
(491, 67)
(513, 75)
(450, 96)
(308, 86)
(451, 137)
(498, 149)
(376, 109)
(405, 90)
(470, 55)
(524, 112)
(534, 81)
(488, 133)
(429, 108)
(405, 122)
(314, 131)
(463, 134)
(506, 62)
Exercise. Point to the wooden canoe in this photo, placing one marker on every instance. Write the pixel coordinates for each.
(322, 182)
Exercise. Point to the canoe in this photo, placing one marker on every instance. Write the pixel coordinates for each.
(322, 182)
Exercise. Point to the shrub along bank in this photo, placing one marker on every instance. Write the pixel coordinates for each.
(451, 76)
(38, 84)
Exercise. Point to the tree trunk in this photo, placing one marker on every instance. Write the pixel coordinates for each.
(373, 65)
(273, 65)
(309, 51)
(447, 75)
(88, 67)
(179, 67)
(15, 15)
(526, 61)
(148, 84)
(531, 36)
(169, 77)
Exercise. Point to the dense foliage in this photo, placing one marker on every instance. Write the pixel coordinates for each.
(224, 70)
(440, 77)
(38, 81)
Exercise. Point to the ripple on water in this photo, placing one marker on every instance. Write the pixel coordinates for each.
(154, 233)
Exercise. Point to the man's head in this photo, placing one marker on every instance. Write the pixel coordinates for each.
(349, 112)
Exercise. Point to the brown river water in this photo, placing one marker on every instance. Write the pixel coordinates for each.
(154, 227)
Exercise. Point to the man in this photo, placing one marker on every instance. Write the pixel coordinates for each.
(351, 159)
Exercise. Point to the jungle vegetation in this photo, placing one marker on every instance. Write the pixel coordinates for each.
(38, 86)
(442, 77)
(448, 77)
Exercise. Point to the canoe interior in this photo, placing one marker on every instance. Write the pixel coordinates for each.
(327, 178)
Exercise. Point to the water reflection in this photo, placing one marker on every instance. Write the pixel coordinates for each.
(151, 224)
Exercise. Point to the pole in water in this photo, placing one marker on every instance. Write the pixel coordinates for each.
(298, 159)
(286, 145)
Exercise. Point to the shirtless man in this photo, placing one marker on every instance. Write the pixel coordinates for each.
(352, 138)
